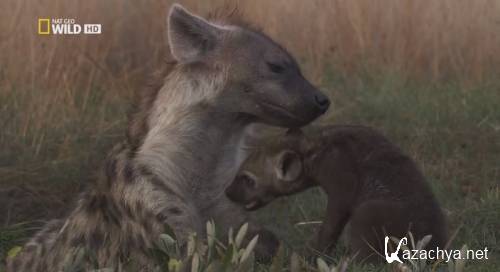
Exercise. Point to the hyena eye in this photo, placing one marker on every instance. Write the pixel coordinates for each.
(276, 68)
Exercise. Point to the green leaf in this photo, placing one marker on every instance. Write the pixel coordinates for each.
(322, 266)
(210, 239)
(167, 244)
(460, 263)
(191, 245)
(278, 260)
(249, 249)
(195, 265)
(210, 233)
(14, 251)
(230, 236)
(241, 235)
(228, 257)
(423, 242)
(174, 265)
(247, 264)
(295, 263)
(412, 240)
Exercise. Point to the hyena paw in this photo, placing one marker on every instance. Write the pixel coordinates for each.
(267, 246)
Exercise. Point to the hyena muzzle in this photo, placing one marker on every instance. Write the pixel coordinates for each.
(185, 143)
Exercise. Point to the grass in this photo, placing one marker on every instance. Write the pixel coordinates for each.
(452, 132)
(423, 72)
(426, 39)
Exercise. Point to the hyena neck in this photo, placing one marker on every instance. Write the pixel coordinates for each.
(189, 138)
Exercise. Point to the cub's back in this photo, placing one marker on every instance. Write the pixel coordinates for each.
(386, 173)
(378, 161)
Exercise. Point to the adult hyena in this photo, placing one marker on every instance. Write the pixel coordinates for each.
(184, 147)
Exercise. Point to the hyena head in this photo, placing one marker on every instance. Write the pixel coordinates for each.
(260, 79)
(274, 169)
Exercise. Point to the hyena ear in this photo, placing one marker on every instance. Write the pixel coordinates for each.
(190, 37)
(288, 166)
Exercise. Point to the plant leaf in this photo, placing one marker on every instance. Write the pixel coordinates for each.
(322, 266)
(195, 265)
(423, 242)
(210, 235)
(460, 263)
(249, 249)
(278, 260)
(230, 236)
(191, 245)
(228, 257)
(240, 235)
(295, 263)
(174, 265)
(247, 264)
(167, 244)
(14, 251)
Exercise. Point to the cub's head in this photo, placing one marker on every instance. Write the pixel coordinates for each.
(249, 73)
(270, 171)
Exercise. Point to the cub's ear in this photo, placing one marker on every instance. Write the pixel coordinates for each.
(190, 37)
(288, 166)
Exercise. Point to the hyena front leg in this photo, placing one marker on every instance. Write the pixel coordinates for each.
(171, 208)
(183, 218)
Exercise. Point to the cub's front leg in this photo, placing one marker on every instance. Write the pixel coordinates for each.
(336, 217)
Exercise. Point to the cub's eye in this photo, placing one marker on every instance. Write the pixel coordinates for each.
(276, 68)
(248, 181)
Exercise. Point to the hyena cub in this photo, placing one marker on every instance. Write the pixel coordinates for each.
(369, 182)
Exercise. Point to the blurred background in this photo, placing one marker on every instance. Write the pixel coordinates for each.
(431, 40)
(424, 72)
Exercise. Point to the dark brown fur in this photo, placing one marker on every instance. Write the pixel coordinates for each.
(369, 182)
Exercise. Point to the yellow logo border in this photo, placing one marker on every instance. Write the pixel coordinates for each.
(40, 24)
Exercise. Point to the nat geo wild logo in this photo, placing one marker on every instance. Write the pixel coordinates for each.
(65, 26)
(420, 252)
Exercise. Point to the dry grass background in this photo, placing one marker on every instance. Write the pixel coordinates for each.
(428, 38)
(63, 99)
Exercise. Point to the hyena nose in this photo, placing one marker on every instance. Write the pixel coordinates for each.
(322, 102)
